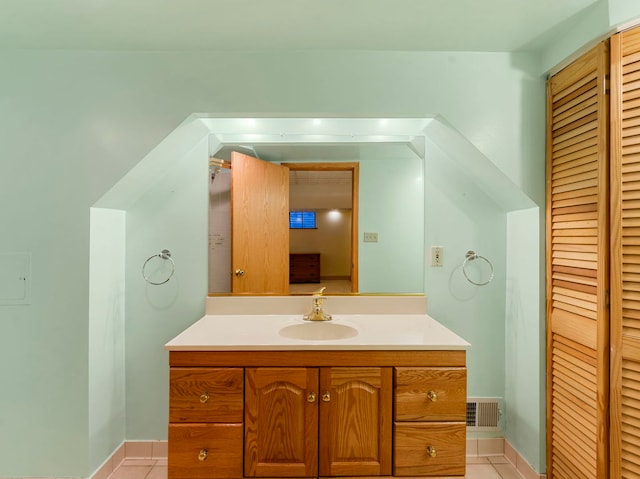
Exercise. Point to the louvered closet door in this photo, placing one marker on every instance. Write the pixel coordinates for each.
(577, 269)
(625, 254)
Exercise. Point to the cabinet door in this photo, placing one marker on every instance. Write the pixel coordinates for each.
(281, 422)
(355, 421)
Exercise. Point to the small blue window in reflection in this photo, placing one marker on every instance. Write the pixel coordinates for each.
(302, 220)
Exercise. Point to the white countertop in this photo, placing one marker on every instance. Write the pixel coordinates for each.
(251, 332)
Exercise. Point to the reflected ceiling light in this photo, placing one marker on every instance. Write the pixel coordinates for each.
(334, 215)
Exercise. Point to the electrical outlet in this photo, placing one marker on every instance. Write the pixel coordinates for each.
(437, 258)
(371, 237)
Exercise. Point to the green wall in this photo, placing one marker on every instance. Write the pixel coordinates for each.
(72, 124)
(106, 333)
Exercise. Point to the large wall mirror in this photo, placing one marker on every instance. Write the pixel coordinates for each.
(291, 212)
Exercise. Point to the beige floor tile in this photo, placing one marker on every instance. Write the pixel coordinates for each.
(131, 472)
(105, 471)
(481, 471)
(157, 472)
(507, 471)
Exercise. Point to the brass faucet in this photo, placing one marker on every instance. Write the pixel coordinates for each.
(316, 313)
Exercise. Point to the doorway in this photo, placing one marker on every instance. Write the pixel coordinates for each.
(329, 251)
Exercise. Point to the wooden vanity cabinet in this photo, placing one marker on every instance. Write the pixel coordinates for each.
(317, 414)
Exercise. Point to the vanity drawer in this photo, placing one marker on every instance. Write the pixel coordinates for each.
(429, 449)
(431, 394)
(205, 451)
(206, 395)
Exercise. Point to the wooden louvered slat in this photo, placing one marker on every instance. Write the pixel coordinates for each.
(575, 167)
(578, 463)
(577, 268)
(582, 112)
(575, 97)
(575, 158)
(629, 54)
(562, 468)
(580, 416)
(572, 151)
(631, 149)
(584, 248)
(571, 141)
(572, 398)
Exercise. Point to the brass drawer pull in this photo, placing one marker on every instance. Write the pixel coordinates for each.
(203, 455)
(204, 397)
(326, 396)
(432, 395)
(311, 397)
(431, 451)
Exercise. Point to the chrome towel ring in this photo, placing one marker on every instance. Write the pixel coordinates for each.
(165, 254)
(472, 256)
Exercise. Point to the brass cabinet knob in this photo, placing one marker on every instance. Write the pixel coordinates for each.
(432, 395)
(203, 455)
(204, 397)
(326, 396)
(239, 272)
(311, 397)
(431, 451)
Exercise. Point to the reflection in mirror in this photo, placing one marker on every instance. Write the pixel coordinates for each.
(377, 247)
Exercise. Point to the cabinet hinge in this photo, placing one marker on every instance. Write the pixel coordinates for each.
(607, 84)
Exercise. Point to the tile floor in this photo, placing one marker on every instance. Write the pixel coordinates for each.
(491, 467)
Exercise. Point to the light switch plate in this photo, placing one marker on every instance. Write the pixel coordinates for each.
(15, 278)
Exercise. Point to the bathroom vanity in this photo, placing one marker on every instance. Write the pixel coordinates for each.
(269, 395)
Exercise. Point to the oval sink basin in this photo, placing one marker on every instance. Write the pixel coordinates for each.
(318, 331)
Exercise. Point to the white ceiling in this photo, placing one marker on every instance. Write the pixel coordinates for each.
(445, 25)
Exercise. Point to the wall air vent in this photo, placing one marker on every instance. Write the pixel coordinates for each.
(483, 414)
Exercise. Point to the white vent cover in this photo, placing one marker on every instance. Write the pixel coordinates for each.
(483, 414)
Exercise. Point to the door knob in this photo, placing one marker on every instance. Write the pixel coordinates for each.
(326, 396)
(431, 451)
(239, 272)
(311, 397)
(432, 395)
